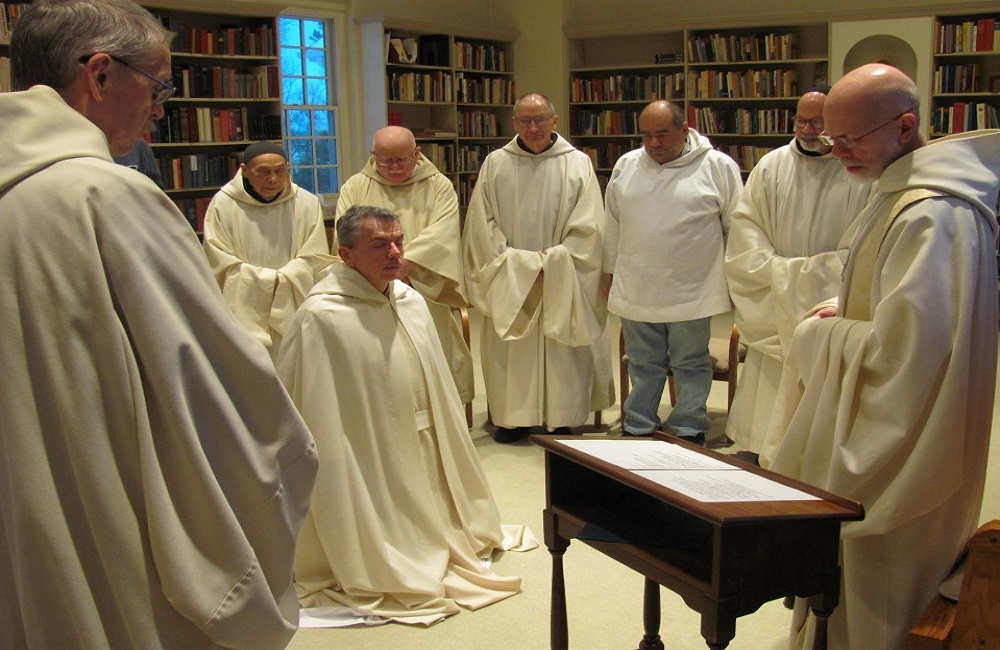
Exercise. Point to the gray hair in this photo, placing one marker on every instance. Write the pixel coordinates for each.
(52, 36)
(350, 223)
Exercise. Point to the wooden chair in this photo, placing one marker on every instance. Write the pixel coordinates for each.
(726, 354)
(973, 621)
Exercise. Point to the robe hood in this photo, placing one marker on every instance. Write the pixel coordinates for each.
(234, 189)
(945, 165)
(28, 133)
(424, 170)
(342, 280)
(697, 146)
(560, 147)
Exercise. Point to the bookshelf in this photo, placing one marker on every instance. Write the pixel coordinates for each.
(225, 68)
(453, 91)
(739, 87)
(9, 11)
(966, 82)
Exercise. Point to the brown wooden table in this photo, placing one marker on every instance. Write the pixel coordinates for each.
(725, 559)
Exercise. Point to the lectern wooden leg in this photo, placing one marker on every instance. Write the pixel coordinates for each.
(651, 617)
(822, 606)
(558, 630)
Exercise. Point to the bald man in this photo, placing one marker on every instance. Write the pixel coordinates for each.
(887, 392)
(399, 178)
(532, 247)
(787, 245)
(666, 214)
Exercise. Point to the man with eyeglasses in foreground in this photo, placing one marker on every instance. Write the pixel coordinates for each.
(532, 247)
(155, 472)
(787, 245)
(400, 178)
(887, 393)
(266, 242)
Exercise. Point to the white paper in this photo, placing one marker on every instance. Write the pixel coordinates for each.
(714, 486)
(647, 454)
(688, 472)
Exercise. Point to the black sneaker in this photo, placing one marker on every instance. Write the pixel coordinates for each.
(696, 439)
(561, 431)
(506, 435)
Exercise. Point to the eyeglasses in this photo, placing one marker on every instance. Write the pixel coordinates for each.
(849, 142)
(537, 121)
(801, 123)
(165, 92)
(395, 162)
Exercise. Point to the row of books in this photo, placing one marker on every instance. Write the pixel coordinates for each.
(8, 14)
(750, 84)
(205, 124)
(230, 40)
(258, 82)
(627, 87)
(961, 78)
(480, 56)
(471, 157)
(441, 155)
(196, 171)
(741, 120)
(478, 124)
(736, 48)
(484, 90)
(605, 155)
(607, 122)
(965, 116)
(465, 187)
(194, 211)
(746, 156)
(4, 74)
(420, 87)
(982, 35)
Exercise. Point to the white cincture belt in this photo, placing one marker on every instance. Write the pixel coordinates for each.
(423, 420)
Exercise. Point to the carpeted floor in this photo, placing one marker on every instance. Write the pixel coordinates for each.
(604, 598)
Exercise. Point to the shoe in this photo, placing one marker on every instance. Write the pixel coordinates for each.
(505, 435)
(561, 431)
(696, 439)
(630, 434)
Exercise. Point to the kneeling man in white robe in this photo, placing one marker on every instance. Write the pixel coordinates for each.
(402, 517)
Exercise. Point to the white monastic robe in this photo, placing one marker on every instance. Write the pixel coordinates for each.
(664, 238)
(786, 251)
(155, 473)
(427, 206)
(250, 244)
(890, 403)
(402, 513)
(545, 357)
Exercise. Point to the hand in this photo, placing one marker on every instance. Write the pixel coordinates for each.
(826, 312)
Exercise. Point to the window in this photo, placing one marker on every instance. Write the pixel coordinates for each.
(308, 105)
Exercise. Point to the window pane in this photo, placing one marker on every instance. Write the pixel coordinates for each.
(315, 63)
(291, 61)
(288, 31)
(323, 123)
(301, 153)
(317, 95)
(304, 179)
(292, 88)
(298, 123)
(315, 32)
(326, 151)
(327, 180)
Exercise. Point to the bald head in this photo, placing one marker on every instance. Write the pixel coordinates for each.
(663, 130)
(809, 122)
(396, 153)
(534, 119)
(874, 108)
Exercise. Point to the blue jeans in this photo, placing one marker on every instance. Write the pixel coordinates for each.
(655, 348)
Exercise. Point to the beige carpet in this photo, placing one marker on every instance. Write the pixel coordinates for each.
(604, 598)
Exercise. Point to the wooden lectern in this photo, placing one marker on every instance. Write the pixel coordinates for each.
(724, 558)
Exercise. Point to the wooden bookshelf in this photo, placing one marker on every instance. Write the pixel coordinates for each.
(739, 87)
(226, 71)
(9, 11)
(454, 91)
(966, 82)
